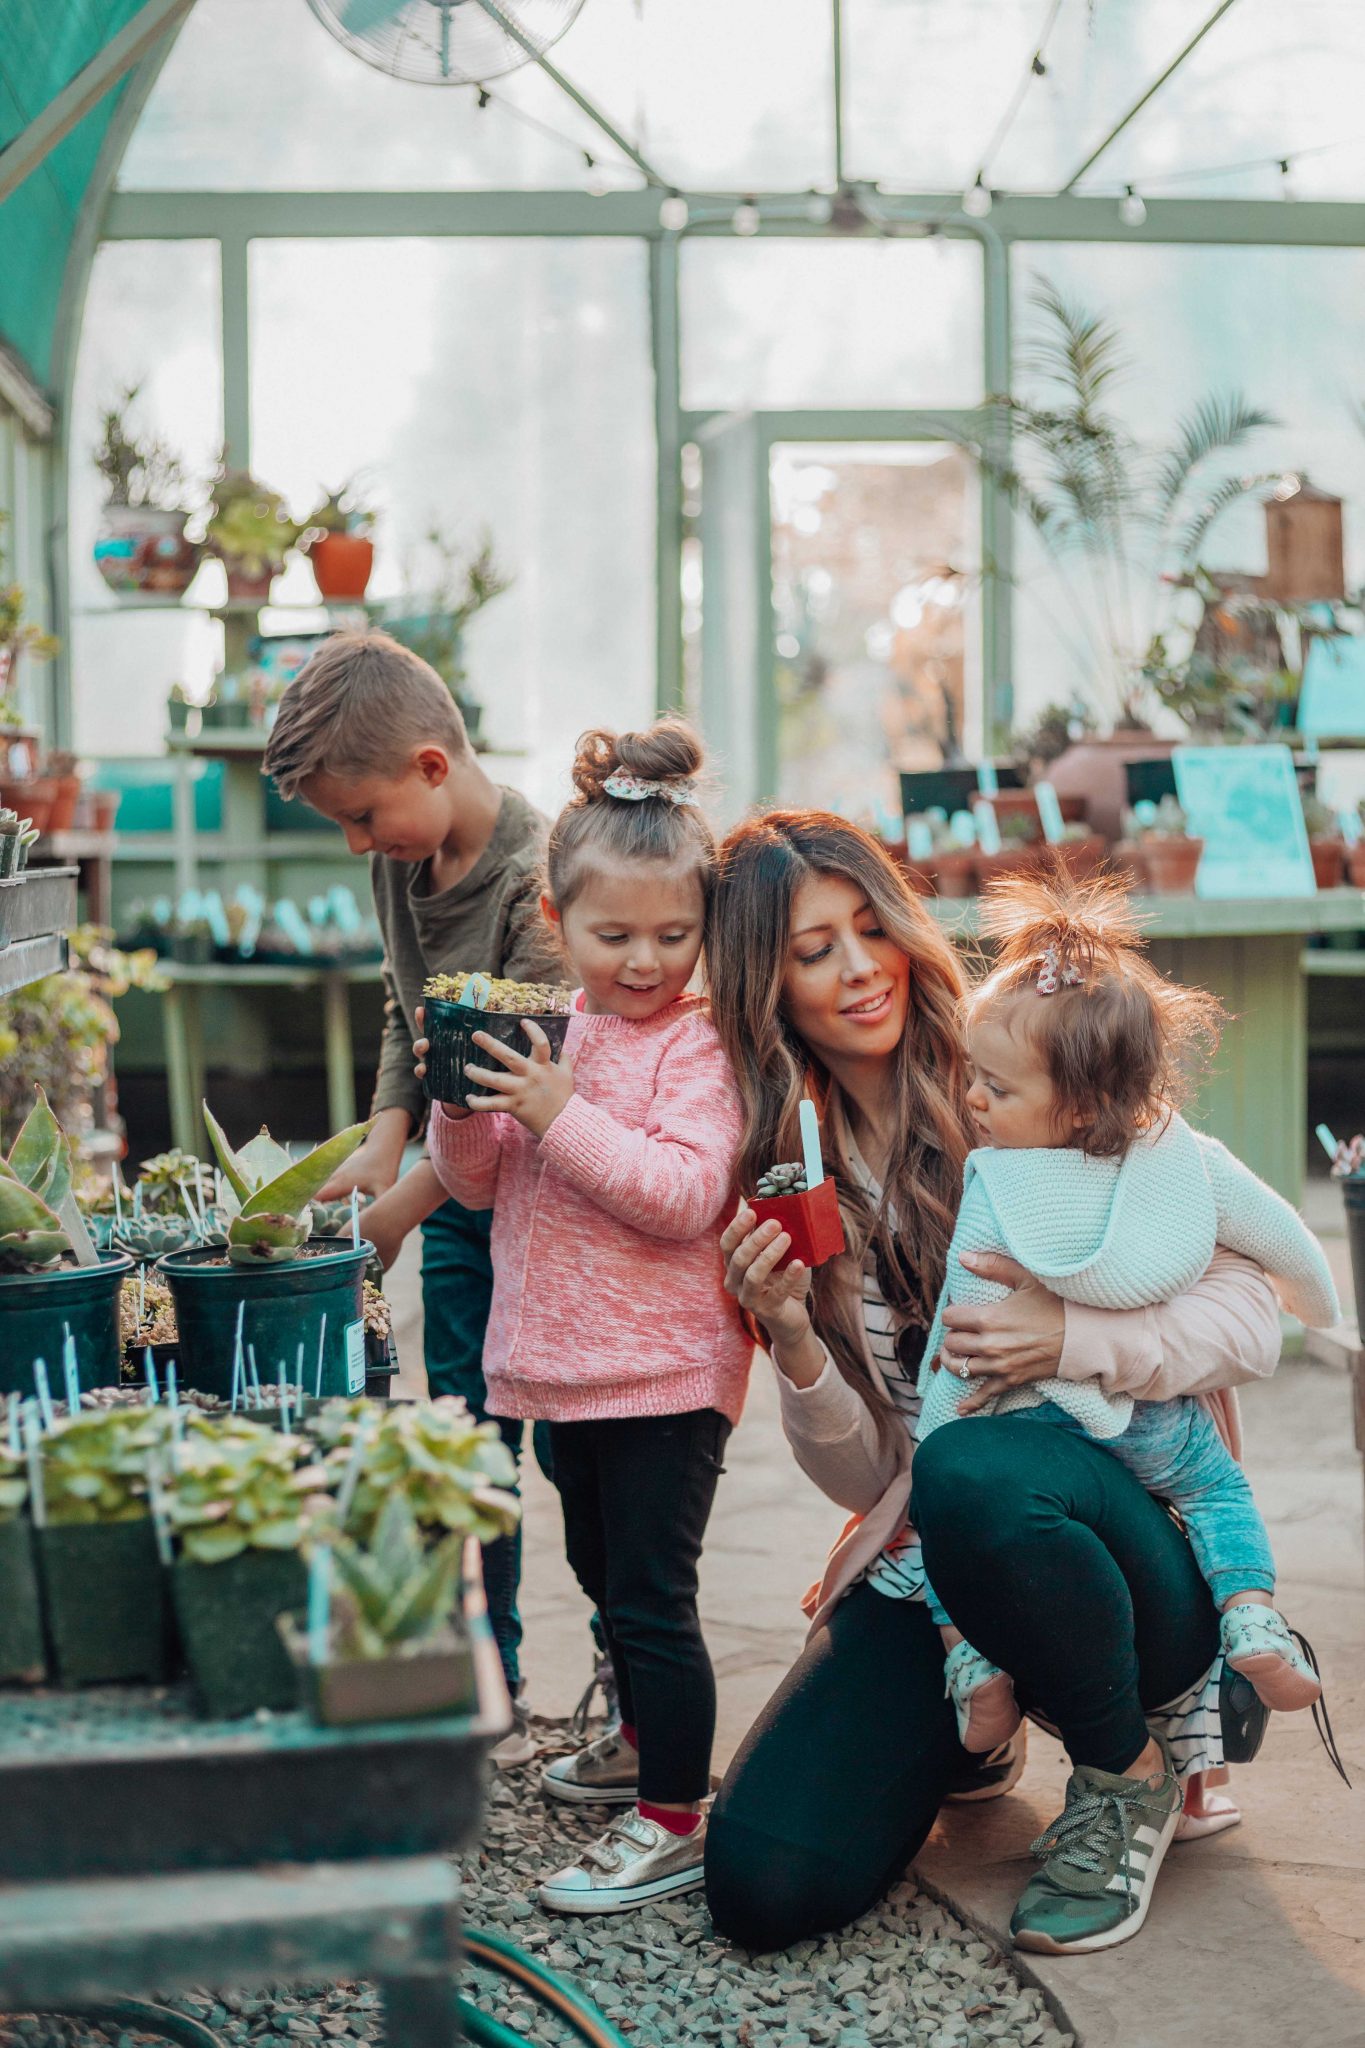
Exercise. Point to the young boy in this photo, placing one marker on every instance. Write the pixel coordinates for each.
(370, 736)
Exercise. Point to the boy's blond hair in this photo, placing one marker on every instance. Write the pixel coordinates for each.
(362, 706)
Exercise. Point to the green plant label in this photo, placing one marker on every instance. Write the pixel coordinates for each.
(1049, 813)
(355, 1358)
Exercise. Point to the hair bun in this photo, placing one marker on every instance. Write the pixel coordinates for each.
(666, 752)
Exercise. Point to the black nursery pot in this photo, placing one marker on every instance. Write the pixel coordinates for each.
(450, 1029)
(284, 1303)
(105, 1599)
(21, 1620)
(36, 1307)
(1353, 1194)
(226, 1614)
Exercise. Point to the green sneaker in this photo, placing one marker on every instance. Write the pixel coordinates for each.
(1100, 1860)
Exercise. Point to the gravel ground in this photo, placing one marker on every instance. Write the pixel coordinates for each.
(909, 1973)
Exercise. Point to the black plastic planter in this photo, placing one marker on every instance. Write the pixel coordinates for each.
(1353, 1194)
(226, 1614)
(283, 1302)
(21, 1620)
(105, 1599)
(450, 1029)
(35, 1307)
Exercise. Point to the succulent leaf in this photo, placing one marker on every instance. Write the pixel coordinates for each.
(253, 1238)
(36, 1152)
(292, 1190)
(233, 1172)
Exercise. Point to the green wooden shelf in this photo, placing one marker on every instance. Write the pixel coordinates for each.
(1196, 917)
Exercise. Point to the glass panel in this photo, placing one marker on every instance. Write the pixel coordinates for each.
(875, 554)
(257, 95)
(788, 323)
(1280, 326)
(152, 318)
(487, 385)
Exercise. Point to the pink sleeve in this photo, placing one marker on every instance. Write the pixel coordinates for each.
(465, 1152)
(672, 1176)
(1221, 1332)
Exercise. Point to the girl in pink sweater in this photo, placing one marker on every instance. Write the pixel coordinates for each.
(609, 1173)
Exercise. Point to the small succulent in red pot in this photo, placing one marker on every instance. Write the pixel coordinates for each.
(802, 1197)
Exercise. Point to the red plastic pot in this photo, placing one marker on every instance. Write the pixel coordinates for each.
(1329, 861)
(341, 565)
(812, 1220)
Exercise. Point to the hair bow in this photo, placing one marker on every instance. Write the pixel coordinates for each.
(1054, 974)
(633, 789)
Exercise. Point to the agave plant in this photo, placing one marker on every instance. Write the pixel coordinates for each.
(1132, 519)
(397, 1592)
(453, 1472)
(236, 1485)
(165, 1174)
(96, 1466)
(270, 1194)
(34, 1183)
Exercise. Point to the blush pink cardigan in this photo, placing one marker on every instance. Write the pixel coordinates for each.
(607, 1275)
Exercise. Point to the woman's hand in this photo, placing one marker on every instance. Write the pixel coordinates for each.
(1006, 1343)
(375, 1164)
(422, 1046)
(533, 1087)
(775, 1294)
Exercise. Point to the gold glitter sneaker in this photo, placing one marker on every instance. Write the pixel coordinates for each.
(602, 1773)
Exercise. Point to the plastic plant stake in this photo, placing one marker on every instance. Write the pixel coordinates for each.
(351, 1476)
(255, 1376)
(172, 1391)
(118, 1206)
(196, 1221)
(238, 1361)
(141, 1296)
(477, 990)
(1326, 1140)
(43, 1391)
(33, 1435)
(810, 1145)
(355, 1218)
(16, 1449)
(319, 1603)
(322, 1346)
(160, 1525)
(149, 1373)
(284, 1400)
(298, 1375)
(71, 1371)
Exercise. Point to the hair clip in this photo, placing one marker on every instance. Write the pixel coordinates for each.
(633, 789)
(1054, 974)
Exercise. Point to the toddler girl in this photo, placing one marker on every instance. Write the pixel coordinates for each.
(1089, 1178)
(608, 1173)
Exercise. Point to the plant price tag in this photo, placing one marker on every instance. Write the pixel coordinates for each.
(1049, 813)
(354, 1334)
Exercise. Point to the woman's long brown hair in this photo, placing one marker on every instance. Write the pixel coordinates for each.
(763, 863)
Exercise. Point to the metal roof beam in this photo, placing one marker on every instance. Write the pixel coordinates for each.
(1153, 89)
(34, 143)
(580, 100)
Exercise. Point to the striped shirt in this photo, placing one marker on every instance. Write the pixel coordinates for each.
(1190, 1723)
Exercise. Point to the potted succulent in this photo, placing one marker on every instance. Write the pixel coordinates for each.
(21, 1622)
(336, 540)
(46, 1294)
(103, 1588)
(191, 941)
(1325, 843)
(12, 828)
(390, 1645)
(61, 770)
(18, 634)
(803, 1198)
(250, 531)
(381, 1360)
(1158, 844)
(273, 1284)
(147, 1324)
(458, 1005)
(142, 550)
(1021, 837)
(453, 1473)
(240, 1500)
(463, 585)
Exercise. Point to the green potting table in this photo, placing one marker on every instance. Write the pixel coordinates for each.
(185, 1035)
(1250, 954)
(143, 1852)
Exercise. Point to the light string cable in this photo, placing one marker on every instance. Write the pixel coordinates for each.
(1278, 160)
(1035, 68)
(487, 98)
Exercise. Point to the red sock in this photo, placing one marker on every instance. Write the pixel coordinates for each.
(628, 1730)
(666, 1817)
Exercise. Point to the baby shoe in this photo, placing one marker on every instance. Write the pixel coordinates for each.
(987, 1711)
(1257, 1642)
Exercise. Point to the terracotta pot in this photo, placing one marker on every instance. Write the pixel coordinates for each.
(104, 803)
(954, 871)
(244, 587)
(1355, 865)
(918, 873)
(1093, 770)
(1329, 861)
(1085, 857)
(1170, 864)
(341, 565)
(142, 551)
(1022, 803)
(1011, 860)
(30, 799)
(65, 791)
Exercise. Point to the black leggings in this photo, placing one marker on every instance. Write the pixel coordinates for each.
(637, 1496)
(1053, 1561)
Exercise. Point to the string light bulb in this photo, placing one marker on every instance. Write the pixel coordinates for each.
(1286, 182)
(673, 213)
(1132, 208)
(599, 184)
(745, 219)
(976, 200)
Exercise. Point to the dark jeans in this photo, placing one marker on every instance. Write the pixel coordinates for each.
(457, 1289)
(637, 1496)
(1053, 1561)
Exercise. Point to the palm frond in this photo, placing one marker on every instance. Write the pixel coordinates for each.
(1080, 351)
(1225, 493)
(1217, 424)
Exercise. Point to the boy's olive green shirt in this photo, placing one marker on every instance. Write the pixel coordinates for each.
(487, 923)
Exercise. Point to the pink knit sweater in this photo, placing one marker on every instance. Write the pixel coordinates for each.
(607, 1294)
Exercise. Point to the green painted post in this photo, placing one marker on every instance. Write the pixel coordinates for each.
(668, 433)
(336, 1016)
